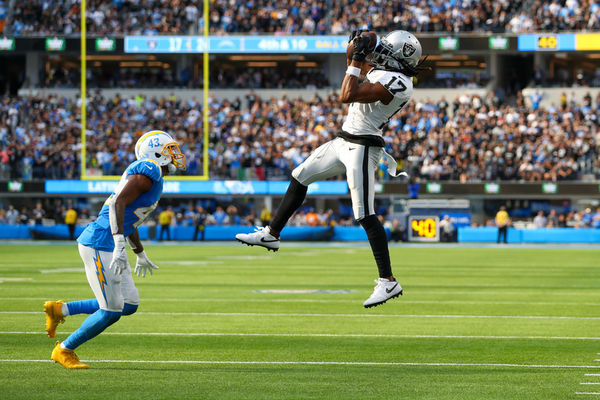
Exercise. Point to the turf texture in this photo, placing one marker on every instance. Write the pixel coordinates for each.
(474, 323)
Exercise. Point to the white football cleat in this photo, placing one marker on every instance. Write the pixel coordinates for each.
(262, 237)
(384, 290)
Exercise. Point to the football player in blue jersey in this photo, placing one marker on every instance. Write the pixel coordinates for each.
(102, 247)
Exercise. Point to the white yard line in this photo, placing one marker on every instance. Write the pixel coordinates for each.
(15, 279)
(326, 301)
(589, 383)
(333, 335)
(454, 316)
(592, 374)
(591, 393)
(61, 270)
(357, 363)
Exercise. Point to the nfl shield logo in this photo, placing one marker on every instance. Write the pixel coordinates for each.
(408, 50)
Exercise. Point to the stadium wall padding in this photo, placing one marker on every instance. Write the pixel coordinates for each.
(543, 235)
(293, 233)
(212, 233)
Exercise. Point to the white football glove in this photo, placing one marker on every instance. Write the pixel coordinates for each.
(119, 262)
(144, 264)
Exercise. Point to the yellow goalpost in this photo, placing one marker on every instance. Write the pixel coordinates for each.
(205, 90)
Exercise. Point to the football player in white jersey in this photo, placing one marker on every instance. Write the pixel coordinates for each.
(386, 88)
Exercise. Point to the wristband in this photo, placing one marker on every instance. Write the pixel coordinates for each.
(354, 71)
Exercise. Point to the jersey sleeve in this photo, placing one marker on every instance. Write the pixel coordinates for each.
(399, 85)
(148, 168)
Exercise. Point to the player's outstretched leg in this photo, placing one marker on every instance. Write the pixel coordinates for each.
(268, 237)
(95, 324)
(56, 311)
(387, 287)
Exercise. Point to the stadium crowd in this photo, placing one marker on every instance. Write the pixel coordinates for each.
(466, 139)
(264, 78)
(147, 17)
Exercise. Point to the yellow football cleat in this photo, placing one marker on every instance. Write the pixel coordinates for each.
(54, 316)
(67, 358)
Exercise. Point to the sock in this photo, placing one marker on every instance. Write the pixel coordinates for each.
(294, 197)
(379, 244)
(91, 327)
(81, 307)
(129, 309)
(64, 309)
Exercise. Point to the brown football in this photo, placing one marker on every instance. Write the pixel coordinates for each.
(350, 48)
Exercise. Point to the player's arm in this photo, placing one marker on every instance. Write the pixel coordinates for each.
(365, 92)
(134, 242)
(135, 186)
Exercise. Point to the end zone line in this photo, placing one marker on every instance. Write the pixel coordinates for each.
(332, 335)
(357, 363)
(250, 314)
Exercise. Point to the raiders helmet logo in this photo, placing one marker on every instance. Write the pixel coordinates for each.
(408, 50)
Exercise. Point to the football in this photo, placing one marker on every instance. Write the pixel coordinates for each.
(371, 35)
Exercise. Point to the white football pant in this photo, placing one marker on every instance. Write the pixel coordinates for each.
(357, 161)
(111, 290)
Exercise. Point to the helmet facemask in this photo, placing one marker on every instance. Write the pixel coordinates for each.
(177, 157)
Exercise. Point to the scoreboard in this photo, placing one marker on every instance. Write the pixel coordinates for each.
(423, 228)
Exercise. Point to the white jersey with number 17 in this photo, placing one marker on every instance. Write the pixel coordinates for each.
(371, 118)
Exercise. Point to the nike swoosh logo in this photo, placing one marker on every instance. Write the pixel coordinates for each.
(351, 148)
(149, 167)
(268, 241)
(388, 291)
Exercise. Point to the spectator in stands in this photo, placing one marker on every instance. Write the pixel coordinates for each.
(24, 217)
(200, 222)
(165, 218)
(447, 230)
(232, 216)
(12, 215)
(265, 215)
(71, 220)
(502, 222)
(596, 219)
(38, 214)
(552, 219)
(397, 231)
(540, 221)
(220, 216)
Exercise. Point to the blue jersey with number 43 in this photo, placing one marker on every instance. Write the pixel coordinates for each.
(98, 235)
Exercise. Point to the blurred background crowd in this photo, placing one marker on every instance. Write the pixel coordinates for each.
(210, 212)
(311, 17)
(466, 139)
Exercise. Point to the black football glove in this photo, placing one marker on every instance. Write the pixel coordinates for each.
(354, 34)
(361, 48)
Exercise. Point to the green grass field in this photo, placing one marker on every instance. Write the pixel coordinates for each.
(474, 323)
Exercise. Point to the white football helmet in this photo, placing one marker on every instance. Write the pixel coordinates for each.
(160, 147)
(395, 51)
